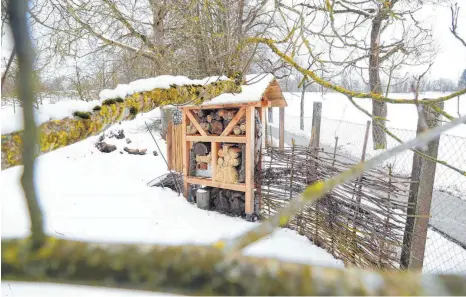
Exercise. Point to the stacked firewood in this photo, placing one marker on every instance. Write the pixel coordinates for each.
(214, 121)
(227, 163)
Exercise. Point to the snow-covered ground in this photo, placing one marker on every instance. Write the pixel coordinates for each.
(89, 195)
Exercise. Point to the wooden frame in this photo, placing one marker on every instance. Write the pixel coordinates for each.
(196, 124)
(234, 121)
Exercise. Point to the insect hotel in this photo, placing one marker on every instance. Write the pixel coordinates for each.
(222, 141)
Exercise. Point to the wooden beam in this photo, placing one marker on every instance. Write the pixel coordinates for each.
(195, 123)
(210, 183)
(170, 146)
(249, 166)
(218, 106)
(214, 154)
(234, 121)
(185, 155)
(211, 138)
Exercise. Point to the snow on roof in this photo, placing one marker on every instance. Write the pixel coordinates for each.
(252, 91)
(158, 82)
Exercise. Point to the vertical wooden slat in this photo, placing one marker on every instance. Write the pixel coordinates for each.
(249, 167)
(176, 148)
(259, 166)
(180, 148)
(185, 154)
(169, 146)
(214, 148)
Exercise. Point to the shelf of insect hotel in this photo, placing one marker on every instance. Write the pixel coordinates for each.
(225, 168)
(210, 183)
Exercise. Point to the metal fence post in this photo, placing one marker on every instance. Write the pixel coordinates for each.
(414, 242)
(282, 129)
(316, 121)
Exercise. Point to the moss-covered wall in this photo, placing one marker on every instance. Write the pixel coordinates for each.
(59, 133)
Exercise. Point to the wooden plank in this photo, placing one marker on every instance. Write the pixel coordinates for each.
(210, 183)
(169, 145)
(217, 106)
(214, 152)
(249, 166)
(234, 121)
(185, 155)
(281, 129)
(195, 123)
(212, 138)
(179, 151)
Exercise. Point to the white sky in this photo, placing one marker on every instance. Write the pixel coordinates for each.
(451, 59)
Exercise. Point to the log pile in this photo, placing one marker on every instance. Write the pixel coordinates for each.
(215, 121)
(227, 201)
(227, 163)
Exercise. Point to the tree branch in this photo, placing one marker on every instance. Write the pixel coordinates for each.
(454, 22)
(377, 97)
(201, 270)
(17, 12)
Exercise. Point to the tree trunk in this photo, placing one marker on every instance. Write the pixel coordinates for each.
(379, 109)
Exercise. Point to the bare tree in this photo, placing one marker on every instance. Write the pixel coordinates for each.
(455, 11)
(369, 39)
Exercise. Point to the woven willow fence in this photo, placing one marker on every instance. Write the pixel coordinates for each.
(361, 222)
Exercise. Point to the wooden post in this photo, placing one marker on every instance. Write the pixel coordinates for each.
(249, 167)
(358, 193)
(185, 154)
(424, 196)
(282, 129)
(214, 147)
(366, 138)
(413, 189)
(316, 121)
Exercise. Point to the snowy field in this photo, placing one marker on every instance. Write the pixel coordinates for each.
(89, 195)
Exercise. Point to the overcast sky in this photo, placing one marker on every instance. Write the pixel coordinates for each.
(451, 59)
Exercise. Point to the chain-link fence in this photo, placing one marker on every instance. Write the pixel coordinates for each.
(445, 250)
